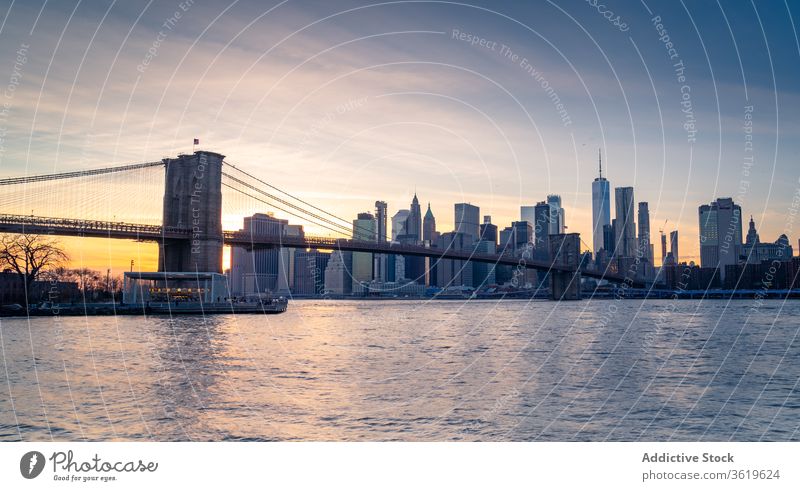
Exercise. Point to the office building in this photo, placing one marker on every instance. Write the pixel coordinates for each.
(507, 243)
(338, 273)
(541, 229)
(380, 261)
(489, 230)
(364, 228)
(673, 246)
(467, 220)
(523, 235)
(644, 247)
(257, 270)
(309, 272)
(720, 234)
(484, 273)
(429, 233)
(452, 272)
(625, 224)
(601, 208)
(399, 223)
(414, 221)
(557, 215)
(528, 214)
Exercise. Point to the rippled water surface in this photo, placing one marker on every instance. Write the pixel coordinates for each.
(411, 370)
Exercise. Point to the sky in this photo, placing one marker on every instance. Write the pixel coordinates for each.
(345, 103)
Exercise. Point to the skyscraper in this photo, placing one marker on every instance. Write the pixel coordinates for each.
(557, 214)
(380, 261)
(467, 220)
(257, 270)
(484, 273)
(720, 234)
(523, 234)
(489, 230)
(309, 272)
(644, 232)
(673, 245)
(399, 223)
(414, 220)
(380, 217)
(625, 227)
(541, 229)
(601, 208)
(429, 232)
(452, 272)
(528, 214)
(363, 229)
(338, 273)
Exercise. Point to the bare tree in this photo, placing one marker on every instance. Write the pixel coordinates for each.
(28, 255)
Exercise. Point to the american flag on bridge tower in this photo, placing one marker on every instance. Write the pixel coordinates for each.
(197, 141)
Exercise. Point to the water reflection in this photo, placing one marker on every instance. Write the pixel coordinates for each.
(405, 370)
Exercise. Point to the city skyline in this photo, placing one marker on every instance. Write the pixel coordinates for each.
(307, 103)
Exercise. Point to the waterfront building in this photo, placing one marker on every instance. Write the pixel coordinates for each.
(757, 252)
(309, 272)
(257, 270)
(338, 273)
(286, 261)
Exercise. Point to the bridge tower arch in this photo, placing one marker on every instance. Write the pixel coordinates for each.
(565, 250)
(193, 201)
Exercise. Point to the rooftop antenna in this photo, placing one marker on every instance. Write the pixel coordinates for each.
(600, 161)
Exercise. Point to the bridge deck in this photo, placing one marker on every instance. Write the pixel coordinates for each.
(154, 233)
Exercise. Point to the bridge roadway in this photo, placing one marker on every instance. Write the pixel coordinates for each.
(153, 233)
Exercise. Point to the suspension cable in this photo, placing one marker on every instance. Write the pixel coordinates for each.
(68, 175)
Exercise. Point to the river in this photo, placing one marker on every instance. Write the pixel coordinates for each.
(411, 370)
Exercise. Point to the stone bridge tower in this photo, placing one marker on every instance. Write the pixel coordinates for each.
(193, 200)
(565, 250)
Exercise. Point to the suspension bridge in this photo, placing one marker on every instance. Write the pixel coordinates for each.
(114, 202)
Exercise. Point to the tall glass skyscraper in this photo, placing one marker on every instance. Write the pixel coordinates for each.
(625, 223)
(601, 207)
(557, 215)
